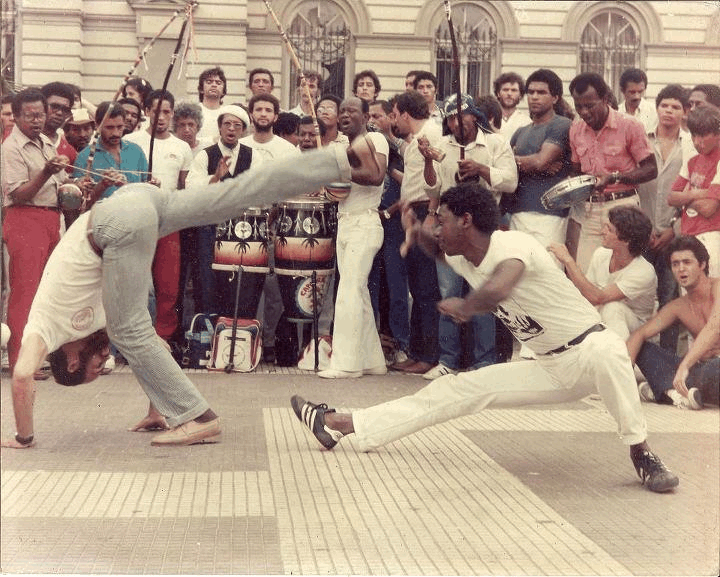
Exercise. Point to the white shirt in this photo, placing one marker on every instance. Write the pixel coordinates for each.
(646, 114)
(544, 310)
(198, 175)
(209, 127)
(492, 150)
(72, 309)
(366, 197)
(413, 187)
(276, 147)
(171, 156)
(516, 120)
(637, 281)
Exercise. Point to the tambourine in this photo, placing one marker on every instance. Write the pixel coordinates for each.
(568, 192)
(337, 191)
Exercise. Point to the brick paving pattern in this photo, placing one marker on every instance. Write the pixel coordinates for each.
(537, 491)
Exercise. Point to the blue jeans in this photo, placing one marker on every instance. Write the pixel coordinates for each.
(126, 227)
(482, 326)
(659, 367)
(667, 290)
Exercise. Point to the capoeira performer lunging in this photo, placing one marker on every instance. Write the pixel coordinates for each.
(99, 276)
(513, 276)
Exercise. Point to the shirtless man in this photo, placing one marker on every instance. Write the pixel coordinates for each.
(684, 381)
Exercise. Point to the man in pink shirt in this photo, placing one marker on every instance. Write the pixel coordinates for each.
(612, 147)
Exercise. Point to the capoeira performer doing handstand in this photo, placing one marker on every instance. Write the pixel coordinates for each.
(99, 276)
(513, 276)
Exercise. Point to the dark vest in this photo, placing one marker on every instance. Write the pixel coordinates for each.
(243, 161)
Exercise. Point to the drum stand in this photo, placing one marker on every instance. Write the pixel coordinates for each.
(231, 364)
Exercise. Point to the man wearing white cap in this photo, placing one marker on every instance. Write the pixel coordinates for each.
(225, 159)
(79, 128)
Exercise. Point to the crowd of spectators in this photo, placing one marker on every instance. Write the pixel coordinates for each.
(654, 163)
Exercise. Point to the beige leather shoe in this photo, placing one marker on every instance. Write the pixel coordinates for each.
(190, 433)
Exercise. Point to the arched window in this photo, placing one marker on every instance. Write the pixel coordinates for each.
(476, 36)
(321, 39)
(610, 43)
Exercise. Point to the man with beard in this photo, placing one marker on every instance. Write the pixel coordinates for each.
(689, 381)
(99, 276)
(79, 128)
(512, 275)
(356, 349)
(509, 89)
(171, 162)
(487, 159)
(264, 111)
(120, 161)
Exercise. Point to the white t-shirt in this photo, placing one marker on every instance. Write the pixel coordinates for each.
(276, 147)
(544, 309)
(517, 119)
(637, 281)
(365, 197)
(209, 127)
(170, 157)
(68, 303)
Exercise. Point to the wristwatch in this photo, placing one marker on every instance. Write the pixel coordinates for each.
(615, 177)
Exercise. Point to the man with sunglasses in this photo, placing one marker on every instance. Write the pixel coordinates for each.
(59, 97)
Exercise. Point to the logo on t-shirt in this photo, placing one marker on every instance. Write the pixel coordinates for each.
(83, 319)
(524, 327)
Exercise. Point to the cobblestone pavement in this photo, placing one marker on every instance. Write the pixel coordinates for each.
(540, 491)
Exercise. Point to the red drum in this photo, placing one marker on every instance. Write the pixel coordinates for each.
(243, 241)
(297, 294)
(305, 236)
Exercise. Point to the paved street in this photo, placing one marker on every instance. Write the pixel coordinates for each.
(540, 491)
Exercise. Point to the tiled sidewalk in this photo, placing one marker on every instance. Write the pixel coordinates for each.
(542, 491)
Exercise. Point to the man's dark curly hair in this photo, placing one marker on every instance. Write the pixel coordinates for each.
(477, 201)
(632, 226)
(59, 367)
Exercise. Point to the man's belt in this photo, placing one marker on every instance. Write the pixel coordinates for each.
(608, 196)
(577, 340)
(39, 207)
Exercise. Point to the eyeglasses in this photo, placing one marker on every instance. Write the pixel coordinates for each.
(235, 125)
(31, 117)
(60, 108)
(325, 109)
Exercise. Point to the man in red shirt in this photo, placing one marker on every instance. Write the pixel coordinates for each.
(612, 147)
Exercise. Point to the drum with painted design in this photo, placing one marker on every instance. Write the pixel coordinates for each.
(243, 241)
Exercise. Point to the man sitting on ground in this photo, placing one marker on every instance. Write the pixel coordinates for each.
(619, 281)
(694, 378)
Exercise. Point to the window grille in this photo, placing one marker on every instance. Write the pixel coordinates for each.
(610, 44)
(321, 40)
(476, 38)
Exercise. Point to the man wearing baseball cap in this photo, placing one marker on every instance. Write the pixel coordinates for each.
(79, 128)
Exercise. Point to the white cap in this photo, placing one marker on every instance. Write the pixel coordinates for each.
(235, 110)
(80, 116)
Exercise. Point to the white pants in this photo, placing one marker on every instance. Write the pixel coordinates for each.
(546, 228)
(356, 344)
(620, 319)
(591, 216)
(600, 363)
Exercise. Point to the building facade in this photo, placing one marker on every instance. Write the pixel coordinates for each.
(93, 43)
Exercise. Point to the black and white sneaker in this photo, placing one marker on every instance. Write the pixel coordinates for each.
(653, 472)
(313, 416)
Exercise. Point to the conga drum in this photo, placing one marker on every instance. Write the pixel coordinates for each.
(304, 243)
(241, 242)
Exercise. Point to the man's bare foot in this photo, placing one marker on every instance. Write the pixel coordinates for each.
(13, 444)
(151, 423)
